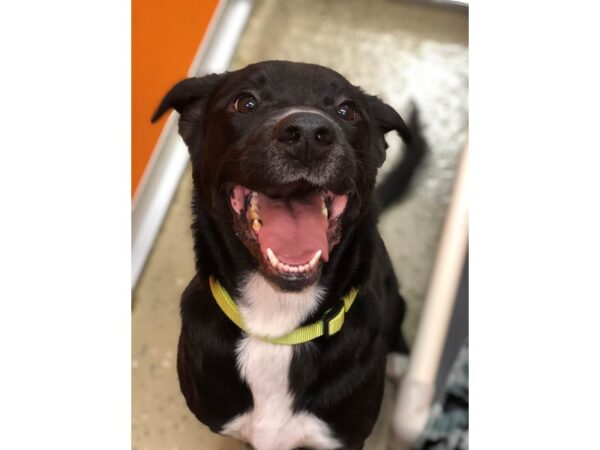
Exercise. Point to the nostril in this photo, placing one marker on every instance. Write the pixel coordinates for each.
(324, 136)
(289, 134)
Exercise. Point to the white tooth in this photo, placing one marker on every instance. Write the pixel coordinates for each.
(281, 267)
(254, 195)
(300, 269)
(324, 206)
(294, 269)
(272, 258)
(315, 259)
(306, 267)
(256, 225)
(254, 215)
(252, 199)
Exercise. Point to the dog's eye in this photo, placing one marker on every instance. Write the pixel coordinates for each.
(347, 111)
(245, 104)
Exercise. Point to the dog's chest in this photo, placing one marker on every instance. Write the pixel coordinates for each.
(272, 424)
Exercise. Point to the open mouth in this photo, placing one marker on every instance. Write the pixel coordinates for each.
(293, 226)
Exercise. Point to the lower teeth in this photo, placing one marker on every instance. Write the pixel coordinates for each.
(300, 268)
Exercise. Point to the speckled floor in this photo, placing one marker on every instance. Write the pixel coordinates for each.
(403, 51)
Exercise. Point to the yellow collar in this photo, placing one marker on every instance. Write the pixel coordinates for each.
(331, 323)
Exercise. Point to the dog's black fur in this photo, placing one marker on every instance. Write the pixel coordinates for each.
(341, 378)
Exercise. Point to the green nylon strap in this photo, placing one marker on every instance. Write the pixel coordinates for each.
(299, 335)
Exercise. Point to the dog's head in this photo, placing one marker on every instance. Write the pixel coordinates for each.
(286, 154)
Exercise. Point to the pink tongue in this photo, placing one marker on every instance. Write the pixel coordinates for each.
(294, 228)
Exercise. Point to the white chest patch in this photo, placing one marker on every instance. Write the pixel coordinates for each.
(271, 424)
(270, 312)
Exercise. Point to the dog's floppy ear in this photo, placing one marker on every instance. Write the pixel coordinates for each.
(189, 98)
(395, 184)
(387, 119)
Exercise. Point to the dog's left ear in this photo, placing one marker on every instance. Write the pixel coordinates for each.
(189, 98)
(387, 120)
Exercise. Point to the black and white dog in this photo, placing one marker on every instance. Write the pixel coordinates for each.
(284, 158)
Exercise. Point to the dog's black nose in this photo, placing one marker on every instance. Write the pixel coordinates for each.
(306, 135)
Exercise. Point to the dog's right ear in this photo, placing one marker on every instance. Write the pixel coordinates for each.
(189, 98)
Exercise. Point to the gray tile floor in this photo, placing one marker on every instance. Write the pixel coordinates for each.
(402, 51)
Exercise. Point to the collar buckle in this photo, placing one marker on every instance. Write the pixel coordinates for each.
(330, 315)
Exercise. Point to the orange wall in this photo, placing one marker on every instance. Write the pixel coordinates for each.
(165, 38)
